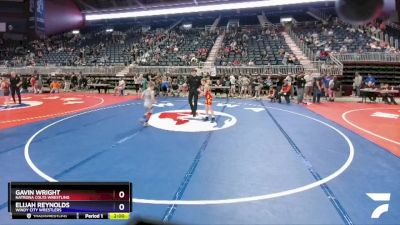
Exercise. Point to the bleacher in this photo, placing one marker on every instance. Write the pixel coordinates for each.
(337, 40)
(180, 47)
(253, 45)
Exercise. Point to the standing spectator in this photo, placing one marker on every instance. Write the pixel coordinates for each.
(136, 82)
(333, 84)
(232, 81)
(15, 86)
(164, 85)
(258, 87)
(326, 79)
(39, 84)
(194, 82)
(226, 83)
(33, 83)
(74, 81)
(308, 86)
(67, 83)
(144, 83)
(290, 80)
(84, 82)
(300, 83)
(5, 88)
(317, 89)
(357, 82)
(253, 85)
(244, 83)
(279, 84)
(80, 81)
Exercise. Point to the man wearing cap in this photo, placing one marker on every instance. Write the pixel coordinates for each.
(194, 82)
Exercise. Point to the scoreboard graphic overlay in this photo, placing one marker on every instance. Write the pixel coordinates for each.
(70, 200)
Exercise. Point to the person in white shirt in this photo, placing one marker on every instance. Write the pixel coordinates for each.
(244, 86)
(343, 49)
(149, 99)
(120, 88)
(232, 81)
(308, 86)
(357, 82)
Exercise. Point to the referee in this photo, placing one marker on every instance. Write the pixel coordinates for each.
(194, 83)
(15, 86)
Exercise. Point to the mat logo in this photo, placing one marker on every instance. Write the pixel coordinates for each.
(25, 104)
(385, 115)
(183, 121)
(379, 197)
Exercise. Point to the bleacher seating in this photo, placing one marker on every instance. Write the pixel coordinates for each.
(253, 46)
(332, 38)
(180, 47)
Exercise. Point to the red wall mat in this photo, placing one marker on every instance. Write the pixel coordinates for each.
(377, 122)
(41, 107)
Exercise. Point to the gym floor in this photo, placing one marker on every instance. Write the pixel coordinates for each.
(260, 163)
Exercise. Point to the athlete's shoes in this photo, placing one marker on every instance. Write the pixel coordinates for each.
(213, 120)
(205, 119)
(146, 124)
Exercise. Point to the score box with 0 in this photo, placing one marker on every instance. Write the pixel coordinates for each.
(69, 197)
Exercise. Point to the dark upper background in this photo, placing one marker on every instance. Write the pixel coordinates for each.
(65, 15)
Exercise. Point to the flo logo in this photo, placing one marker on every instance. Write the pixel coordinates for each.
(379, 197)
(183, 121)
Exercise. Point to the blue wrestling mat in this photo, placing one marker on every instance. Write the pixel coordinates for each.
(259, 163)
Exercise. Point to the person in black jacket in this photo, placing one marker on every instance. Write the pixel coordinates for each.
(194, 83)
(300, 83)
(15, 86)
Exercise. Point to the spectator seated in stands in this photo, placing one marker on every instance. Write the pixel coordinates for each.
(348, 40)
(334, 36)
(343, 49)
